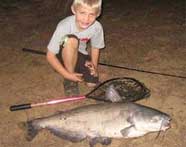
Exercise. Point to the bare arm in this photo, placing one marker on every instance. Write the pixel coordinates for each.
(93, 64)
(55, 63)
(95, 57)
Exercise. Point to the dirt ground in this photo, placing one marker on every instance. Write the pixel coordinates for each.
(145, 34)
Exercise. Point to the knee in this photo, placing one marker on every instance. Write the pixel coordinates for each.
(71, 41)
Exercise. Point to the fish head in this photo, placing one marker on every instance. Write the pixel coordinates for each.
(159, 122)
(150, 120)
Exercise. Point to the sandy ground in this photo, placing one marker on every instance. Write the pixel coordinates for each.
(147, 35)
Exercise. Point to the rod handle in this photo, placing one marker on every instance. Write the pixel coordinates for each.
(20, 107)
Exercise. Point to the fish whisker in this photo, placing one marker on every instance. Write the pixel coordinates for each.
(159, 130)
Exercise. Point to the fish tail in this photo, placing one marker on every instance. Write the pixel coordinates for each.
(31, 131)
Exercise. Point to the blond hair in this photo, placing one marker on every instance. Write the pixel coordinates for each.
(95, 4)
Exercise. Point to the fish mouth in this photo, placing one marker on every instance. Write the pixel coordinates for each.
(166, 124)
(166, 127)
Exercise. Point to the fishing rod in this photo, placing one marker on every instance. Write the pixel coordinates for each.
(114, 66)
(50, 102)
(145, 71)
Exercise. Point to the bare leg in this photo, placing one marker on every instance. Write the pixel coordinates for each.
(69, 56)
(70, 53)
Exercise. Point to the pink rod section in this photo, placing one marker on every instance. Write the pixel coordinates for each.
(62, 100)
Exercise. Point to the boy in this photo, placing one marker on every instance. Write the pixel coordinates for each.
(70, 42)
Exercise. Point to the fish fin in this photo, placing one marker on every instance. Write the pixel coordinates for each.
(31, 132)
(112, 95)
(102, 140)
(67, 135)
(130, 119)
(126, 131)
(132, 132)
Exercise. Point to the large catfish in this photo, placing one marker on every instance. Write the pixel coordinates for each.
(100, 122)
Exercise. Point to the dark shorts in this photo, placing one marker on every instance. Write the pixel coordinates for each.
(81, 68)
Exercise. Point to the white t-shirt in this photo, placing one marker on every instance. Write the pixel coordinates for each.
(94, 34)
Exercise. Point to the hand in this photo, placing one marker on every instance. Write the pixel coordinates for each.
(92, 69)
(76, 77)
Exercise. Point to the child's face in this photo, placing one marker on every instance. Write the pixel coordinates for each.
(85, 16)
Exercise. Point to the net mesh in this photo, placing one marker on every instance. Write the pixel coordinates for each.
(123, 89)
